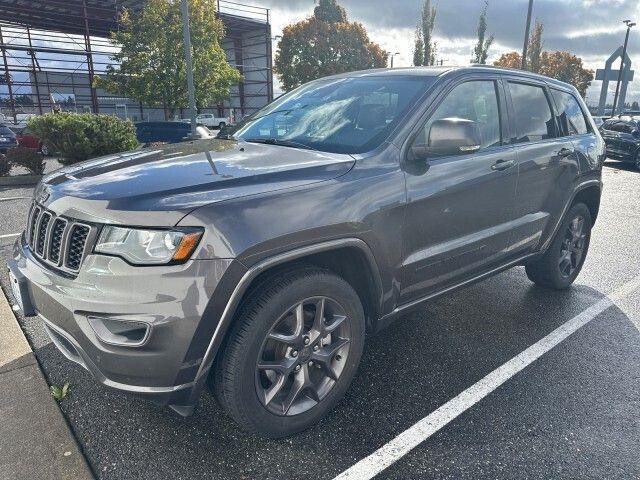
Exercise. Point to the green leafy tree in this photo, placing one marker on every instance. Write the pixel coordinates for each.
(428, 22)
(481, 50)
(635, 106)
(324, 44)
(150, 65)
(418, 49)
(534, 48)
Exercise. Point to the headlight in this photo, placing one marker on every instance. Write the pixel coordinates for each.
(148, 247)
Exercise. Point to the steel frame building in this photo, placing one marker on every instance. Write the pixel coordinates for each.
(53, 49)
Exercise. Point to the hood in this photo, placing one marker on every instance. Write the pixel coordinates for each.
(158, 186)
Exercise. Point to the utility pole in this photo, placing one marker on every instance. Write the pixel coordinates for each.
(629, 24)
(393, 55)
(526, 36)
(186, 35)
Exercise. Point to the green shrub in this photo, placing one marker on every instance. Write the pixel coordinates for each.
(27, 158)
(79, 136)
(5, 166)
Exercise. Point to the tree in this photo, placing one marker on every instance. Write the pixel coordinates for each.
(566, 67)
(481, 50)
(635, 106)
(428, 22)
(509, 60)
(150, 65)
(418, 48)
(534, 48)
(562, 66)
(324, 44)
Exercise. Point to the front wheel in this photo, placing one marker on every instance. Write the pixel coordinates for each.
(44, 150)
(292, 353)
(562, 262)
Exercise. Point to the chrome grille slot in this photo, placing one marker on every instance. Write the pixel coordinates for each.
(59, 242)
(43, 230)
(77, 242)
(55, 243)
(33, 222)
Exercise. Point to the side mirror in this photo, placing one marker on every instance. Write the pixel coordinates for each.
(449, 136)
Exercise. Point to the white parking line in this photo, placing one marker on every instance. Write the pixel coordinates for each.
(392, 451)
(5, 199)
(10, 235)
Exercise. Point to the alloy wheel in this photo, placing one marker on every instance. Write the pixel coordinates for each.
(572, 249)
(303, 356)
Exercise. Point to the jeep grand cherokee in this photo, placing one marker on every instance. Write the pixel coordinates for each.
(256, 264)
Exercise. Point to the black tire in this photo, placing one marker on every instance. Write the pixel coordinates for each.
(636, 160)
(560, 264)
(221, 125)
(236, 375)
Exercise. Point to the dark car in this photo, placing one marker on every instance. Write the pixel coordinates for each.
(168, 132)
(622, 137)
(256, 264)
(7, 139)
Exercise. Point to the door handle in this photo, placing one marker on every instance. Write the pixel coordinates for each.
(503, 164)
(565, 152)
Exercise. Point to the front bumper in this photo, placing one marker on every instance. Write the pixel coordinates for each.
(170, 299)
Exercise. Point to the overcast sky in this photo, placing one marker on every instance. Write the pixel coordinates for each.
(591, 29)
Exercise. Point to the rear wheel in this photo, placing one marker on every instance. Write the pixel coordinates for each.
(563, 260)
(292, 353)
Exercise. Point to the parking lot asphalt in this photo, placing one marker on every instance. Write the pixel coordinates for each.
(573, 413)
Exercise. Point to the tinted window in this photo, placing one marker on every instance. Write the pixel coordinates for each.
(6, 131)
(476, 101)
(340, 115)
(533, 118)
(570, 116)
(609, 125)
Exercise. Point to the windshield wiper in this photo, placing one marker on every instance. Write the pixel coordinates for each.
(282, 143)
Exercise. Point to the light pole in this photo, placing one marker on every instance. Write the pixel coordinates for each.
(629, 24)
(186, 35)
(393, 55)
(526, 36)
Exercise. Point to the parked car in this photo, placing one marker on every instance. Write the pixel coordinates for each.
(28, 139)
(257, 264)
(7, 139)
(622, 137)
(168, 132)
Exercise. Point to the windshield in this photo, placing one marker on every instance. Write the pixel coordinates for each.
(344, 115)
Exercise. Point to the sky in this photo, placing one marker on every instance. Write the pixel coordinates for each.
(591, 29)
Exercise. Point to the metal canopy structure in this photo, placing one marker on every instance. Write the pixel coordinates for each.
(52, 49)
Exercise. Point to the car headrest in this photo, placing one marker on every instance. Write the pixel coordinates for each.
(372, 116)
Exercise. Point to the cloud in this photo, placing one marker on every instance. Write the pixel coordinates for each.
(591, 29)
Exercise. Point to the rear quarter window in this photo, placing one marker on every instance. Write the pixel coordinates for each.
(571, 118)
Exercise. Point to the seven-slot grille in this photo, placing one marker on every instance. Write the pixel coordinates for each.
(59, 242)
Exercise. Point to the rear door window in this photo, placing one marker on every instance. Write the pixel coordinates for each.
(570, 116)
(533, 118)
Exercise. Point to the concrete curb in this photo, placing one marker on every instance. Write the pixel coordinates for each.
(19, 180)
(36, 440)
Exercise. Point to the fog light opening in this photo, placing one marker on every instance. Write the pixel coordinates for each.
(127, 333)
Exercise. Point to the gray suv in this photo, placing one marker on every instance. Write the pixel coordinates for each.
(256, 264)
